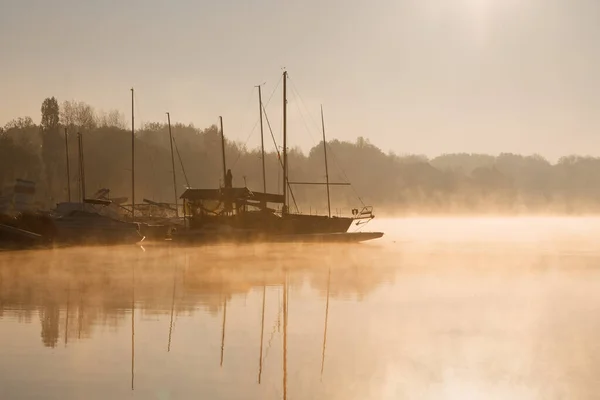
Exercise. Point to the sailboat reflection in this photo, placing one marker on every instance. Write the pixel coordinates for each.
(223, 330)
(285, 323)
(172, 309)
(67, 315)
(325, 325)
(132, 326)
(89, 293)
(262, 333)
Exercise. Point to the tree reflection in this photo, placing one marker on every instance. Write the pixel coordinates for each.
(75, 290)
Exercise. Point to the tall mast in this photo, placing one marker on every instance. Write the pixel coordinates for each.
(132, 158)
(285, 176)
(223, 151)
(68, 167)
(262, 140)
(81, 167)
(173, 165)
(326, 166)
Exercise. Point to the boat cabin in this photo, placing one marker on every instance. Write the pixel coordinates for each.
(201, 205)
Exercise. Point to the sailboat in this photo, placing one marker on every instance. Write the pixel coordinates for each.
(240, 214)
(92, 220)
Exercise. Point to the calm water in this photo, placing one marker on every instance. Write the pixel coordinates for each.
(437, 309)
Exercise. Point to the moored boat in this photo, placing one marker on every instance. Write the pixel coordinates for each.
(239, 214)
(84, 227)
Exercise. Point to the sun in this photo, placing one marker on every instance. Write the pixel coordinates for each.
(487, 8)
(473, 9)
(476, 18)
(482, 17)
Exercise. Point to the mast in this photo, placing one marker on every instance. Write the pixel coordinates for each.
(326, 166)
(132, 158)
(262, 140)
(173, 165)
(285, 176)
(81, 167)
(223, 151)
(68, 167)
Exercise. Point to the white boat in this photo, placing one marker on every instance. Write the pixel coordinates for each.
(85, 227)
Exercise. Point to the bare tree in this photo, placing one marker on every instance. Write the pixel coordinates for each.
(78, 115)
(111, 119)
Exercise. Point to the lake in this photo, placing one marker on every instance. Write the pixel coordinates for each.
(439, 308)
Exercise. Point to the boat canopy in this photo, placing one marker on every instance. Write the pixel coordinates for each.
(100, 202)
(242, 193)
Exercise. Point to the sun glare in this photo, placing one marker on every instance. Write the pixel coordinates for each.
(478, 17)
(479, 12)
(486, 8)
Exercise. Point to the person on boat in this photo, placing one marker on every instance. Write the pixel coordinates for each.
(228, 179)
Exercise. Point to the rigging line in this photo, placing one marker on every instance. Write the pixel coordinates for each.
(256, 124)
(258, 120)
(273, 92)
(245, 143)
(264, 110)
(272, 136)
(153, 173)
(325, 144)
(335, 160)
(254, 127)
(302, 116)
(279, 156)
(181, 162)
(297, 96)
(303, 103)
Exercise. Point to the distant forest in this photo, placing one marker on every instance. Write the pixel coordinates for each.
(400, 184)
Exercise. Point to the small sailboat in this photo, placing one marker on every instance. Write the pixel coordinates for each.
(93, 220)
(85, 227)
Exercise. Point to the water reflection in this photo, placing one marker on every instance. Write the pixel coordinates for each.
(72, 288)
(444, 312)
(77, 293)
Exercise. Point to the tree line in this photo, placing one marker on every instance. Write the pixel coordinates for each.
(403, 184)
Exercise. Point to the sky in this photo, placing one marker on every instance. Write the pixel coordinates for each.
(413, 76)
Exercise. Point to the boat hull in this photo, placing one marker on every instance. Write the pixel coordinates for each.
(89, 228)
(12, 238)
(345, 237)
(271, 224)
(240, 236)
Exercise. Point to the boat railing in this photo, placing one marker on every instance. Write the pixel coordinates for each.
(363, 215)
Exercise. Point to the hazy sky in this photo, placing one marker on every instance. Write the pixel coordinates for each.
(414, 76)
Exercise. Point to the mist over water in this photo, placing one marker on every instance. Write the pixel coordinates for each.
(439, 308)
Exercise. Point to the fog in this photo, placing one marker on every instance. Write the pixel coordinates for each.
(470, 126)
(395, 184)
(439, 308)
